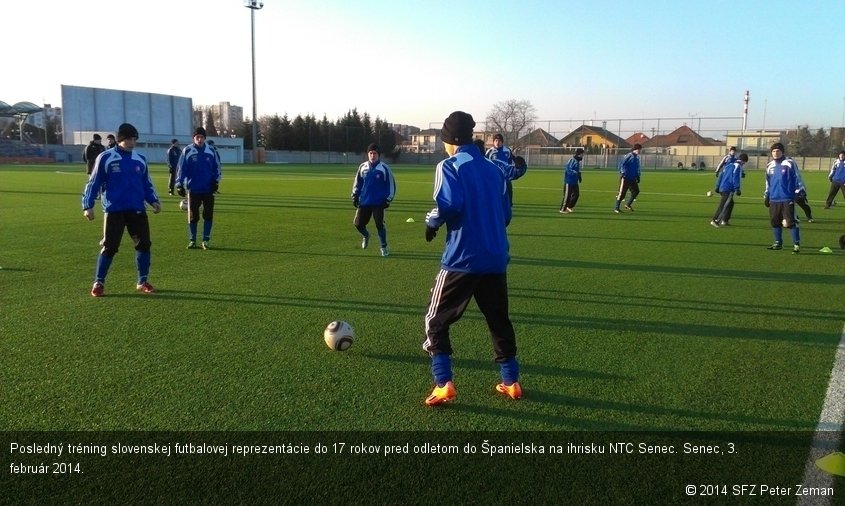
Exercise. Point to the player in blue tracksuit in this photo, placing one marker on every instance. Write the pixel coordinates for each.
(121, 176)
(173, 154)
(512, 171)
(471, 201)
(629, 178)
(502, 153)
(198, 173)
(372, 192)
(782, 184)
(729, 158)
(837, 179)
(728, 184)
(571, 182)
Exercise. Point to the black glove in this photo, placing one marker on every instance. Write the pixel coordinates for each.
(215, 186)
(830, 178)
(802, 193)
(181, 191)
(519, 161)
(430, 233)
(739, 193)
(386, 204)
(743, 173)
(766, 201)
(638, 180)
(579, 177)
(355, 200)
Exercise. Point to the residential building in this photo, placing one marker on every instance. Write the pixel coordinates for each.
(684, 141)
(588, 136)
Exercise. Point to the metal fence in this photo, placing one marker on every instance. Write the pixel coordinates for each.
(669, 162)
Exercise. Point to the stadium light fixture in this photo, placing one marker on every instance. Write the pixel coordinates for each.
(253, 5)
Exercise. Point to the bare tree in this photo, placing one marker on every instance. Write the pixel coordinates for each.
(511, 118)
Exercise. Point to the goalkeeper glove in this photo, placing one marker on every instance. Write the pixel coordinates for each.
(430, 233)
(766, 201)
(355, 200)
(215, 186)
(386, 204)
(180, 190)
(739, 193)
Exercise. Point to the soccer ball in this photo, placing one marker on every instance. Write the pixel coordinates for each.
(339, 335)
(183, 205)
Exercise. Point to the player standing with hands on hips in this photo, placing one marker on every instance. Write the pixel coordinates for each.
(782, 183)
(372, 192)
(198, 172)
(173, 154)
(123, 179)
(572, 182)
(471, 200)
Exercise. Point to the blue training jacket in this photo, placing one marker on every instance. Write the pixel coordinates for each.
(572, 172)
(472, 202)
(502, 154)
(123, 180)
(629, 167)
(374, 184)
(782, 180)
(837, 172)
(198, 168)
(730, 178)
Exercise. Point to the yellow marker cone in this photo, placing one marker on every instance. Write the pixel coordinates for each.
(833, 463)
(825, 250)
(410, 220)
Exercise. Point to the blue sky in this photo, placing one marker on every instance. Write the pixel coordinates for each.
(414, 62)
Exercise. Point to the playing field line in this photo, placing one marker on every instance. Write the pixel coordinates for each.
(828, 431)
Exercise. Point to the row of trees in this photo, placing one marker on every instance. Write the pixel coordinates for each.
(349, 134)
(821, 143)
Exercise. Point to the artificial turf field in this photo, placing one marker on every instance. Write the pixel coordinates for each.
(645, 321)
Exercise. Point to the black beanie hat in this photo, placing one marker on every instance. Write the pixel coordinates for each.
(777, 145)
(636, 147)
(579, 151)
(373, 147)
(97, 137)
(200, 131)
(499, 136)
(457, 129)
(125, 131)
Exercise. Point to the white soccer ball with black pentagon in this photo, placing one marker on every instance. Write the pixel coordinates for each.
(183, 205)
(339, 335)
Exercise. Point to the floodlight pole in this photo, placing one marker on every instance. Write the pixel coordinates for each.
(254, 5)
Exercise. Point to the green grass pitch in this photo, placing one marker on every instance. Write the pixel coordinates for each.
(651, 320)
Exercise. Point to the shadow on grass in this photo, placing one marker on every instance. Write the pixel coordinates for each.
(678, 329)
(280, 300)
(570, 414)
(675, 304)
(781, 277)
(483, 365)
(652, 410)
